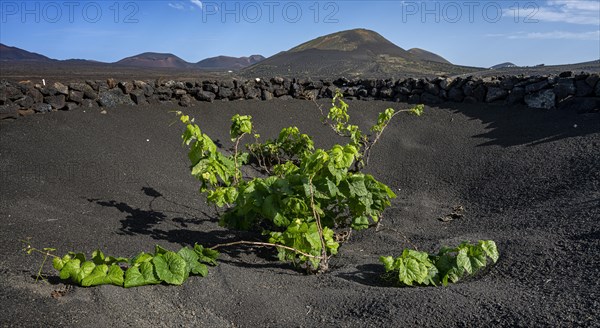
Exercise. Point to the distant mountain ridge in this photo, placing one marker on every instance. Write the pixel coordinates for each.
(358, 53)
(357, 40)
(14, 53)
(353, 53)
(227, 62)
(154, 60)
(428, 55)
(166, 60)
(143, 60)
(503, 65)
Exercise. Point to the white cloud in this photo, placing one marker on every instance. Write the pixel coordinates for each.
(588, 5)
(177, 6)
(560, 35)
(554, 35)
(585, 12)
(197, 3)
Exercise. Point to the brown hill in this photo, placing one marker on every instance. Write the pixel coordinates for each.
(353, 41)
(504, 65)
(226, 62)
(16, 54)
(427, 55)
(352, 53)
(154, 60)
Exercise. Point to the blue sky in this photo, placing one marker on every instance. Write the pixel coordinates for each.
(476, 33)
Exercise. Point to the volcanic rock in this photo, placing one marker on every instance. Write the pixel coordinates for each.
(114, 97)
(545, 99)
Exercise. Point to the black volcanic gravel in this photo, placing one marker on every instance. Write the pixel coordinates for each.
(528, 179)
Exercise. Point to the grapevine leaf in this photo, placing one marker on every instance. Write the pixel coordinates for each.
(243, 158)
(357, 186)
(96, 277)
(134, 278)
(360, 222)
(477, 258)
(420, 256)
(337, 156)
(332, 188)
(185, 119)
(70, 269)
(463, 262)
(98, 257)
(445, 263)
(448, 266)
(432, 275)
(115, 275)
(280, 220)
(403, 274)
(170, 268)
(490, 249)
(59, 263)
(445, 250)
(79, 256)
(159, 250)
(415, 270)
(103, 275)
(200, 269)
(114, 260)
(330, 242)
(388, 263)
(240, 125)
(191, 259)
(147, 270)
(417, 110)
(86, 268)
(196, 153)
(314, 240)
(141, 258)
(270, 208)
(140, 275)
(453, 276)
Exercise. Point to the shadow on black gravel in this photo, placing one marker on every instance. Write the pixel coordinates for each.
(142, 221)
(150, 221)
(518, 125)
(366, 274)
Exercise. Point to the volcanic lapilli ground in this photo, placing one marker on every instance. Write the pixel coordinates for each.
(527, 179)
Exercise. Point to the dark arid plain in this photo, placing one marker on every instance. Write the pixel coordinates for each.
(117, 179)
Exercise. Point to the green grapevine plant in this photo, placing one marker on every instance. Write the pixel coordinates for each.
(303, 200)
(309, 192)
(163, 266)
(449, 264)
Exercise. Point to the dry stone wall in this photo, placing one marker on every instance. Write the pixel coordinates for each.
(575, 91)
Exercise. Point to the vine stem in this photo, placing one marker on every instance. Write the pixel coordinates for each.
(368, 146)
(235, 155)
(323, 265)
(30, 249)
(262, 244)
(325, 119)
